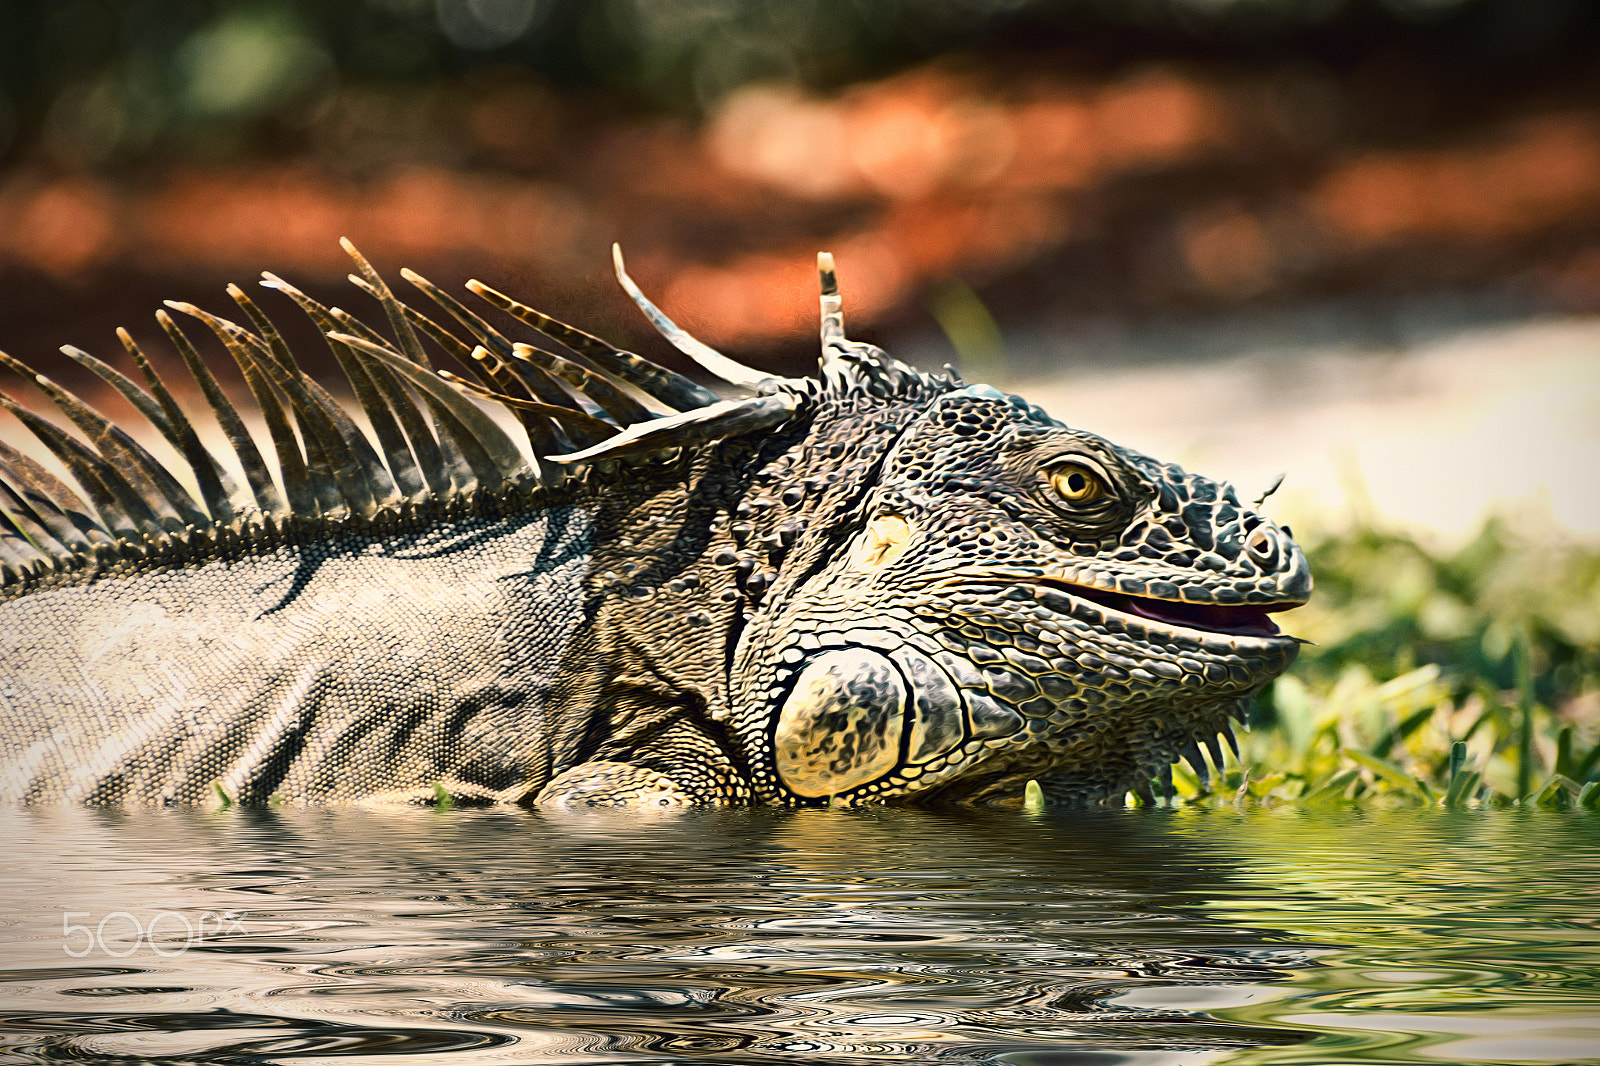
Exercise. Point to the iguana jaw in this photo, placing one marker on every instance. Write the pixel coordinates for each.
(1248, 620)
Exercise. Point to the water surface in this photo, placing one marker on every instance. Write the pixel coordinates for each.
(1134, 937)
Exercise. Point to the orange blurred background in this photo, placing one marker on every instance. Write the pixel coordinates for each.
(985, 186)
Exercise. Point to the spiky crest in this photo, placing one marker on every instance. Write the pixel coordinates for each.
(430, 446)
(708, 357)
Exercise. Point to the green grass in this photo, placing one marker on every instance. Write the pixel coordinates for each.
(1456, 678)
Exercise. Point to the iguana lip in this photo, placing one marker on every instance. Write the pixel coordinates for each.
(1234, 621)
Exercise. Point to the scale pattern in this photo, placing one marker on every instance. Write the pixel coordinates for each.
(299, 671)
(1007, 635)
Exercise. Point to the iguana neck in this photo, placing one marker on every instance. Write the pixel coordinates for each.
(687, 560)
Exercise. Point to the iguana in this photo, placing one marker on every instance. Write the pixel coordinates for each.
(878, 585)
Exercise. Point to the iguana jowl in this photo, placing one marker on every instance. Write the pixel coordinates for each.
(875, 585)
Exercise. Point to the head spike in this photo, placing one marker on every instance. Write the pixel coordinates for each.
(673, 389)
(846, 363)
(832, 304)
(568, 419)
(621, 407)
(719, 421)
(1276, 482)
(727, 369)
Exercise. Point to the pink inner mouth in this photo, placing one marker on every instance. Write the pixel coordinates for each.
(1249, 621)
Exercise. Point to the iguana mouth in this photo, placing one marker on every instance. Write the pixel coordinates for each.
(1235, 621)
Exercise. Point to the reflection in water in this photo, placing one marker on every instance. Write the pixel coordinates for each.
(833, 936)
(1464, 936)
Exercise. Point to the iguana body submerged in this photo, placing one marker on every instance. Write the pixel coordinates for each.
(882, 585)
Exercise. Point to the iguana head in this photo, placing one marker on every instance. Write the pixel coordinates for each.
(991, 597)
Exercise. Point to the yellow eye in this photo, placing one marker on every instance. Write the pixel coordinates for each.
(1077, 484)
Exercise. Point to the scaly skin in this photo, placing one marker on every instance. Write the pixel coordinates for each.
(996, 632)
(881, 587)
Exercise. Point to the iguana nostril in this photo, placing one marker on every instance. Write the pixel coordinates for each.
(1263, 547)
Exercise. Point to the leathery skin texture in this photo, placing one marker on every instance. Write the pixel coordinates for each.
(875, 586)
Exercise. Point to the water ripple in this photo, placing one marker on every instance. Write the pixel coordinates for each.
(1146, 938)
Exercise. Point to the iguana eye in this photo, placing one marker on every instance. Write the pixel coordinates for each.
(1077, 484)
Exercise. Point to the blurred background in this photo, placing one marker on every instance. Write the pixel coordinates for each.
(1357, 241)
